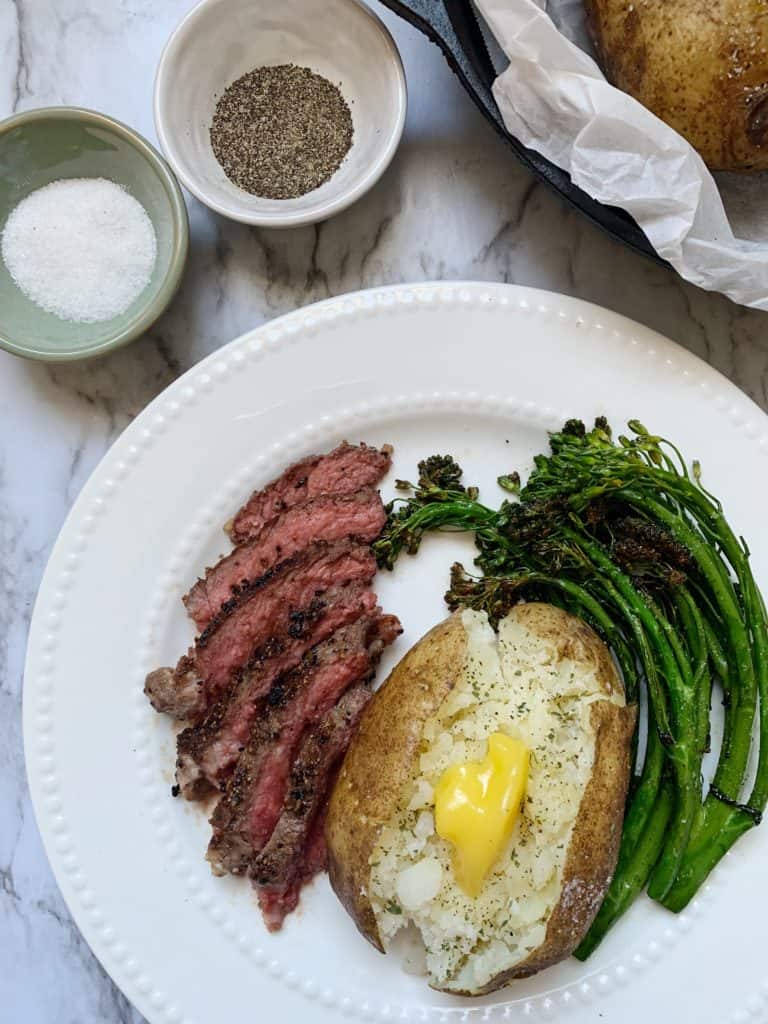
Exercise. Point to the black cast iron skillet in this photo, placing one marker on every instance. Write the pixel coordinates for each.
(453, 25)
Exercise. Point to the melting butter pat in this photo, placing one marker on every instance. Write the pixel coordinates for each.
(476, 806)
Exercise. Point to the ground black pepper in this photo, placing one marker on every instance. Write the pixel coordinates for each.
(279, 132)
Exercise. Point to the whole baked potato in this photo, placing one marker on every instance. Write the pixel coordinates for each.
(699, 65)
(546, 682)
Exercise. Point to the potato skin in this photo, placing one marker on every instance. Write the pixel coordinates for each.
(699, 65)
(382, 760)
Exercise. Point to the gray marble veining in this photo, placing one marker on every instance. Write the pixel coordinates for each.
(454, 204)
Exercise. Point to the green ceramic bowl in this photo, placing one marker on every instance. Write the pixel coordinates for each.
(41, 146)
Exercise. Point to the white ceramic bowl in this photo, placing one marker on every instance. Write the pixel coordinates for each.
(220, 40)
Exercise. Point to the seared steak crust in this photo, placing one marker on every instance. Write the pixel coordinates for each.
(274, 604)
(282, 601)
(328, 517)
(345, 470)
(208, 750)
(277, 901)
(283, 861)
(246, 815)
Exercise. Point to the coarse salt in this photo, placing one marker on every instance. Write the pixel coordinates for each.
(82, 249)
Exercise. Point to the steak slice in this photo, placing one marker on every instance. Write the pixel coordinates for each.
(180, 692)
(293, 853)
(346, 469)
(209, 750)
(272, 605)
(246, 815)
(278, 901)
(327, 517)
(176, 691)
(280, 602)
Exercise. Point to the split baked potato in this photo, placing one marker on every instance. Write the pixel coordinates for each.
(699, 65)
(545, 681)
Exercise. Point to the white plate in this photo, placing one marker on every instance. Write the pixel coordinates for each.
(480, 371)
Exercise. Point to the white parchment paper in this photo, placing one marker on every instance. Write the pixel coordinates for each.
(554, 99)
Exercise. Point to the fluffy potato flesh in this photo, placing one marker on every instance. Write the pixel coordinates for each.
(543, 681)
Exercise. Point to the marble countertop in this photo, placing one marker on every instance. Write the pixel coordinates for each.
(454, 204)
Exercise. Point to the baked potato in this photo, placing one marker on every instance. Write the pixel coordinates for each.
(699, 65)
(546, 681)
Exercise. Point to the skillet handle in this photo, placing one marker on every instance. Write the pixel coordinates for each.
(469, 34)
(453, 26)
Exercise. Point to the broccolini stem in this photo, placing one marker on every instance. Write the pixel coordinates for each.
(730, 772)
(460, 512)
(628, 884)
(757, 613)
(717, 655)
(644, 800)
(680, 753)
(717, 836)
(723, 819)
(722, 823)
(640, 619)
(693, 624)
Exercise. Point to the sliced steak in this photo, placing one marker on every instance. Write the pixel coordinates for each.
(174, 691)
(346, 469)
(180, 692)
(280, 602)
(278, 901)
(209, 750)
(295, 847)
(246, 815)
(272, 605)
(327, 518)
